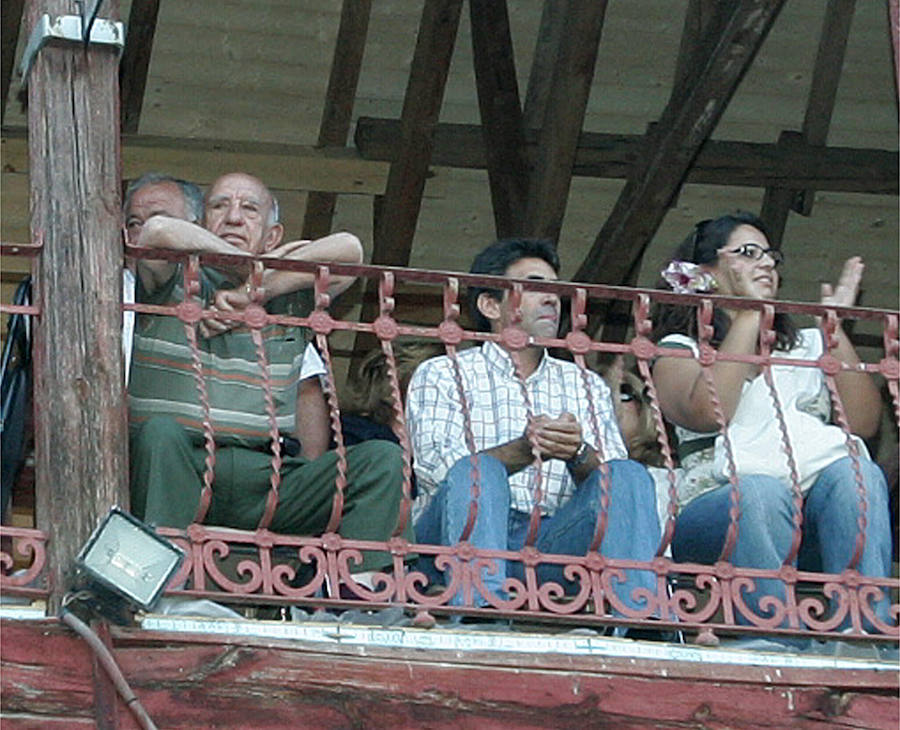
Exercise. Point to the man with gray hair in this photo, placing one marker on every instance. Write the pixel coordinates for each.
(153, 193)
(168, 454)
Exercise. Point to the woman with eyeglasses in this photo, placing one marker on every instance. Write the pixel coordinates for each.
(731, 256)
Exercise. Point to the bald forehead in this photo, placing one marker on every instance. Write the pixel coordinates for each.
(241, 186)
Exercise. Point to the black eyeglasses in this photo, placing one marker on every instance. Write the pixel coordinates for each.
(755, 252)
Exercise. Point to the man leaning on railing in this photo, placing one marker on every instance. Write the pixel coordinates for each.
(169, 443)
(514, 401)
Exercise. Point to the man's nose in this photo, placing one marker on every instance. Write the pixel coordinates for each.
(234, 213)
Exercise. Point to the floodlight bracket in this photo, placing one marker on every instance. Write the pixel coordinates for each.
(65, 29)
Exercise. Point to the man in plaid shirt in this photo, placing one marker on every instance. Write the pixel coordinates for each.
(573, 426)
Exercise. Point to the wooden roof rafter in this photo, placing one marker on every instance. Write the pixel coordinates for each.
(674, 144)
(778, 202)
(718, 162)
(397, 211)
(10, 23)
(559, 108)
(502, 121)
(338, 112)
(395, 224)
(135, 64)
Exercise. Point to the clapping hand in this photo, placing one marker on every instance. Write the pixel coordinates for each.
(847, 289)
(556, 438)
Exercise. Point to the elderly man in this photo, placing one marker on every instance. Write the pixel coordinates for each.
(571, 446)
(166, 415)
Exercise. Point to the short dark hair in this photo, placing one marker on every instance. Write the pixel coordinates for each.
(496, 259)
(701, 246)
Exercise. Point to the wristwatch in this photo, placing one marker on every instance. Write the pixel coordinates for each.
(580, 457)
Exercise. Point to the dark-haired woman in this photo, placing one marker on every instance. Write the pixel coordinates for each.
(731, 255)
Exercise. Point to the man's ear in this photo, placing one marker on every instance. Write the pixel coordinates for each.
(488, 306)
(273, 237)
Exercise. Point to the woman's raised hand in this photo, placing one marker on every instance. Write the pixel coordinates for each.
(847, 289)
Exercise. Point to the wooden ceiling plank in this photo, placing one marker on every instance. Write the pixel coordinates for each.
(718, 162)
(421, 108)
(501, 114)
(682, 129)
(135, 64)
(825, 81)
(10, 22)
(338, 112)
(563, 118)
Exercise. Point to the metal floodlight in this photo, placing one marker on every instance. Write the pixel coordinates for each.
(127, 558)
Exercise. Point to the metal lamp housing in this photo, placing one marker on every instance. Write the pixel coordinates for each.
(125, 556)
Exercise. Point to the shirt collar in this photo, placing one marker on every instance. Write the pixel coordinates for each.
(499, 359)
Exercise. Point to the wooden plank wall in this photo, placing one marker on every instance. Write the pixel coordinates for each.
(224, 682)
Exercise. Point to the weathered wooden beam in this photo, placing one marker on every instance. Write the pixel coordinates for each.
(894, 23)
(825, 80)
(338, 112)
(10, 22)
(563, 118)
(81, 434)
(546, 47)
(778, 202)
(227, 680)
(703, 20)
(501, 114)
(421, 107)
(135, 63)
(398, 209)
(282, 166)
(746, 164)
(682, 129)
(699, 18)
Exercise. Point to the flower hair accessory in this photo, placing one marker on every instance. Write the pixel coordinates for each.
(688, 278)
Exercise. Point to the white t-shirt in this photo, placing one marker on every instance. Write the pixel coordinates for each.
(754, 432)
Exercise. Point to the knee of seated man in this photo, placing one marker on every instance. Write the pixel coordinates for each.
(491, 471)
(630, 474)
(385, 457)
(158, 432)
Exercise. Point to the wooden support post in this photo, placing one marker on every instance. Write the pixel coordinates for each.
(81, 435)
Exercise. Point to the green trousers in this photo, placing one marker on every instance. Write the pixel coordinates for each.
(166, 477)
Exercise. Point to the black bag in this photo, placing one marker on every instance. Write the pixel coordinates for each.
(15, 389)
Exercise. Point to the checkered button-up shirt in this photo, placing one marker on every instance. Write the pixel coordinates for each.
(497, 412)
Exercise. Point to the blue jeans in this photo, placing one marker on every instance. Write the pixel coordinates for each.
(632, 530)
(765, 527)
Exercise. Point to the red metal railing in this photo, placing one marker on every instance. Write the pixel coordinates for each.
(263, 567)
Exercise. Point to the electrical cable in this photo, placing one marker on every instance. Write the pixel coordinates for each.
(108, 661)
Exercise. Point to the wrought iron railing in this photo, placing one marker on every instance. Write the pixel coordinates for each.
(262, 567)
